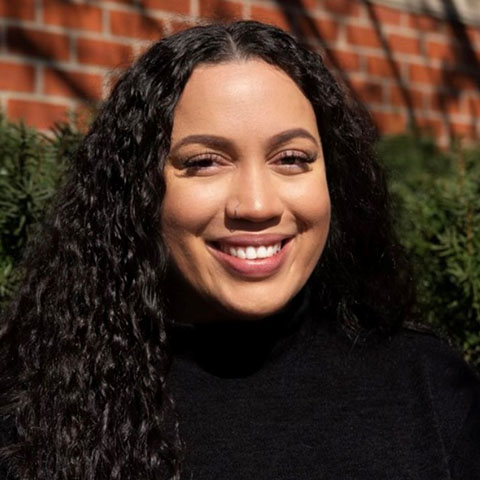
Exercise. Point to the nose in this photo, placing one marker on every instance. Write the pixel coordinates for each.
(254, 196)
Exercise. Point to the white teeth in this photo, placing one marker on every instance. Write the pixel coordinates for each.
(251, 252)
(262, 252)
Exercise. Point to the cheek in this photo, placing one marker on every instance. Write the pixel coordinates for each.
(186, 212)
(310, 203)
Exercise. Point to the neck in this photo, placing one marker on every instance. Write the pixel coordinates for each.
(238, 348)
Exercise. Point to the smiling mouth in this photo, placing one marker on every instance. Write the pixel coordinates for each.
(250, 252)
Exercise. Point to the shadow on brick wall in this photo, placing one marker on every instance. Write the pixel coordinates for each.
(466, 63)
(454, 74)
(464, 69)
(26, 42)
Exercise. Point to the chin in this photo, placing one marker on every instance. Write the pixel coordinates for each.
(251, 311)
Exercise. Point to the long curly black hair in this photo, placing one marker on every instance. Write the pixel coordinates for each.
(84, 348)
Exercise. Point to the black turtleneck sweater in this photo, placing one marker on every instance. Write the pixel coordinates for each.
(290, 398)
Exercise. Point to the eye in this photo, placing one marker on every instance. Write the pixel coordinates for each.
(201, 165)
(294, 161)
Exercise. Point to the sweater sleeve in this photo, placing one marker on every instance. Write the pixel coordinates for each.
(464, 458)
(455, 394)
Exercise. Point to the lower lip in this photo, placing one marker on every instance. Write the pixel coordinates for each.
(258, 268)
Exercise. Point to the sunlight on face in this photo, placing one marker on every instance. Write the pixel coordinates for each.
(247, 210)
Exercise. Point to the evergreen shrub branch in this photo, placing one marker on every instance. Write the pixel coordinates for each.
(437, 200)
(32, 165)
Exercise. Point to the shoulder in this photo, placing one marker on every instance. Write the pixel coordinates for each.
(412, 387)
(452, 388)
(432, 358)
(439, 367)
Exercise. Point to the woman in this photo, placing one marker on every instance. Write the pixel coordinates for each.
(219, 294)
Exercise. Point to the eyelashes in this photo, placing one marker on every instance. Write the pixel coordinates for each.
(198, 163)
(289, 161)
(296, 158)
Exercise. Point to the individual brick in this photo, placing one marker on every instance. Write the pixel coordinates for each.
(447, 104)
(344, 60)
(382, 67)
(429, 75)
(220, 9)
(363, 36)
(272, 16)
(424, 22)
(350, 8)
(306, 4)
(432, 126)
(22, 10)
(72, 15)
(408, 96)
(73, 84)
(26, 41)
(404, 44)
(441, 51)
(178, 6)
(37, 114)
(103, 53)
(326, 29)
(126, 24)
(368, 91)
(387, 15)
(17, 77)
(389, 122)
(462, 129)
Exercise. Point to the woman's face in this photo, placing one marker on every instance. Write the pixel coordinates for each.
(246, 211)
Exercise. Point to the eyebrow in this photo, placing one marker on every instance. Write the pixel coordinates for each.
(287, 135)
(213, 141)
(222, 143)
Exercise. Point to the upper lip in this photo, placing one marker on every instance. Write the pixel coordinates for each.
(253, 240)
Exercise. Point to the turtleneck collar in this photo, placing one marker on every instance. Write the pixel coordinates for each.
(239, 349)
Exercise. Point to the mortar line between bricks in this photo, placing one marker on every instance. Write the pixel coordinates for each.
(41, 98)
(194, 8)
(247, 9)
(39, 78)
(39, 12)
(105, 21)
(73, 50)
(3, 39)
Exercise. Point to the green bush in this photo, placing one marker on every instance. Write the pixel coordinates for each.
(436, 198)
(31, 167)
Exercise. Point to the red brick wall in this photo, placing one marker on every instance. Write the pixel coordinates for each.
(59, 56)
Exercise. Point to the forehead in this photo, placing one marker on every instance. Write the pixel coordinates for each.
(238, 96)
